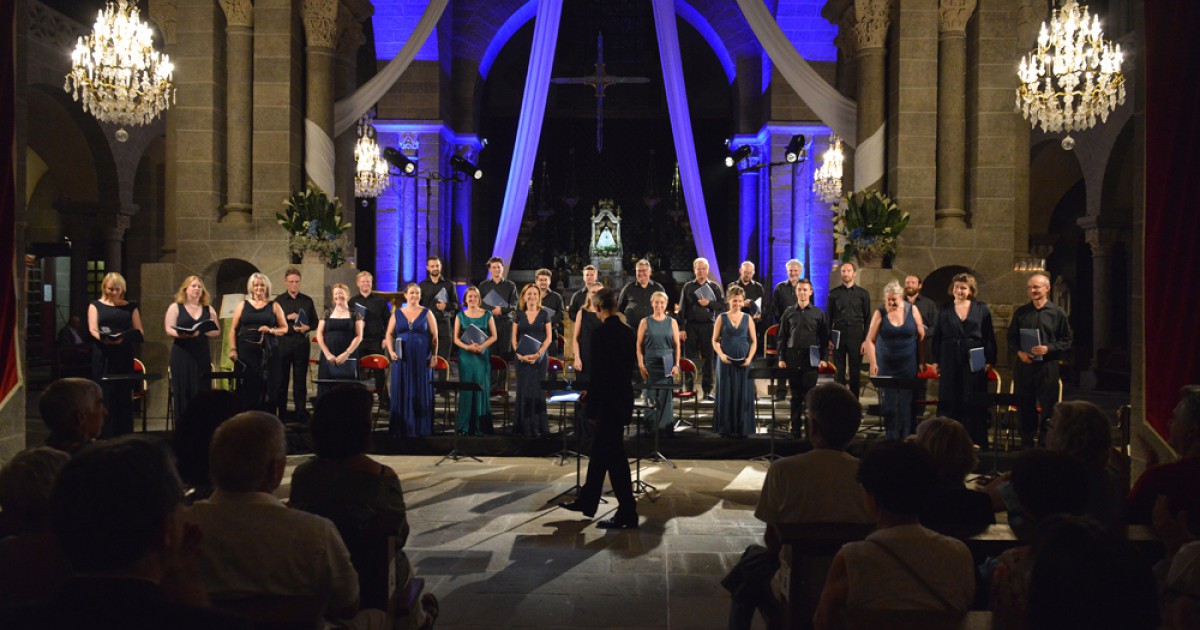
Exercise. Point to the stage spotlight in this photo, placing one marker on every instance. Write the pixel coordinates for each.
(461, 164)
(738, 155)
(795, 149)
(397, 159)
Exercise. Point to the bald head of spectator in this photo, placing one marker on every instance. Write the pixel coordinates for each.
(73, 410)
(248, 453)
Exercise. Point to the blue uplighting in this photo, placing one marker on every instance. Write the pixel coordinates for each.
(697, 21)
(804, 27)
(393, 23)
(505, 33)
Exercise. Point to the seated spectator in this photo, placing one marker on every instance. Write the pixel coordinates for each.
(74, 349)
(207, 410)
(116, 512)
(1179, 481)
(1042, 484)
(73, 410)
(955, 509)
(1082, 576)
(1181, 601)
(253, 546)
(362, 497)
(32, 566)
(902, 566)
(1081, 430)
(820, 486)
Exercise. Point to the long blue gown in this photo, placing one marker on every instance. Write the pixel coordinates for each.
(412, 378)
(896, 356)
(659, 342)
(531, 419)
(734, 407)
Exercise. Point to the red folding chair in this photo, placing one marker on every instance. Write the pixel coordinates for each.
(140, 390)
(686, 368)
(370, 364)
(441, 373)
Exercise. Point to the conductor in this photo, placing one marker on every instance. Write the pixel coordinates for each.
(609, 410)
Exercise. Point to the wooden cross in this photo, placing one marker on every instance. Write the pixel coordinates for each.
(599, 81)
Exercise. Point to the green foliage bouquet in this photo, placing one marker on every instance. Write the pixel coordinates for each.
(314, 223)
(867, 225)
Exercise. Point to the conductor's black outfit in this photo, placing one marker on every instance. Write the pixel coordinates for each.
(610, 407)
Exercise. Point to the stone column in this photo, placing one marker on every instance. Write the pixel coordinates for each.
(952, 112)
(1030, 14)
(350, 39)
(872, 18)
(1101, 240)
(239, 75)
(162, 14)
(114, 236)
(321, 30)
(847, 72)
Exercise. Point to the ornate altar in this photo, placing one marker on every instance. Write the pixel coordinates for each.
(606, 249)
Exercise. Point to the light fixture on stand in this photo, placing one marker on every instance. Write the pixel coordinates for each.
(827, 180)
(371, 170)
(1073, 76)
(117, 74)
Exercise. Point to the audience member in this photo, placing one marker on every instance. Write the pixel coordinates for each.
(1042, 484)
(73, 410)
(193, 435)
(1181, 601)
(1082, 576)
(955, 509)
(1081, 430)
(1179, 481)
(820, 486)
(902, 566)
(253, 545)
(362, 497)
(116, 512)
(32, 566)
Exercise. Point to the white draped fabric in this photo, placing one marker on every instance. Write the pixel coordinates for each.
(835, 110)
(347, 111)
(681, 130)
(529, 126)
(318, 156)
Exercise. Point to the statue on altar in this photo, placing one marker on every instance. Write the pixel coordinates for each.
(606, 249)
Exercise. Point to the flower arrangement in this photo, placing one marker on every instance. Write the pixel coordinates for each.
(314, 224)
(867, 225)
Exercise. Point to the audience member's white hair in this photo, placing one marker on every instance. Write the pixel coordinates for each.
(243, 450)
(63, 400)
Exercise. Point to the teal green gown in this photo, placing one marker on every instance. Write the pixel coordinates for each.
(474, 408)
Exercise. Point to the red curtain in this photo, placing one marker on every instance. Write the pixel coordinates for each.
(8, 208)
(1172, 243)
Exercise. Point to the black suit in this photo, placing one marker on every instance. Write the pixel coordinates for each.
(610, 406)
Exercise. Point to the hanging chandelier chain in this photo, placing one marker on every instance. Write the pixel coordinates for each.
(827, 180)
(371, 176)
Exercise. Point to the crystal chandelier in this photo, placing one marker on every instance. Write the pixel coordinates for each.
(827, 181)
(371, 171)
(117, 73)
(1074, 75)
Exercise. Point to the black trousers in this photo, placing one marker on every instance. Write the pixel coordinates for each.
(1035, 385)
(503, 346)
(698, 348)
(608, 458)
(848, 358)
(293, 359)
(799, 384)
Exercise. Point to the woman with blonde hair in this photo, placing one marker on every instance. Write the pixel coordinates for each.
(191, 358)
(338, 335)
(658, 347)
(257, 321)
(474, 365)
(530, 418)
(894, 349)
(411, 340)
(116, 324)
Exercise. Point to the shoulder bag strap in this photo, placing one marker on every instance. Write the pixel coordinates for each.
(912, 572)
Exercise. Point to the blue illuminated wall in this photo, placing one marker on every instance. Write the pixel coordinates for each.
(800, 225)
(810, 33)
(408, 215)
(393, 23)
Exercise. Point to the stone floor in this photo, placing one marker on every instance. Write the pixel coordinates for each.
(493, 547)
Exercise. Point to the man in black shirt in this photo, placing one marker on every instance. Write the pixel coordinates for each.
(783, 297)
(294, 345)
(635, 296)
(754, 296)
(553, 301)
(928, 310)
(696, 317)
(506, 291)
(801, 327)
(580, 296)
(375, 311)
(443, 310)
(849, 313)
(1035, 373)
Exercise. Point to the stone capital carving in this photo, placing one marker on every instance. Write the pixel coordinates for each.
(873, 17)
(53, 28)
(162, 13)
(238, 12)
(953, 15)
(1030, 15)
(846, 39)
(320, 22)
(1099, 237)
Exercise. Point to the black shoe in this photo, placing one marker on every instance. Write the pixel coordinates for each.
(619, 523)
(576, 506)
(709, 397)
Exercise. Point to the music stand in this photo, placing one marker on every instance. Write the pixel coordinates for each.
(992, 402)
(136, 377)
(672, 386)
(455, 454)
(639, 486)
(562, 397)
(770, 374)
